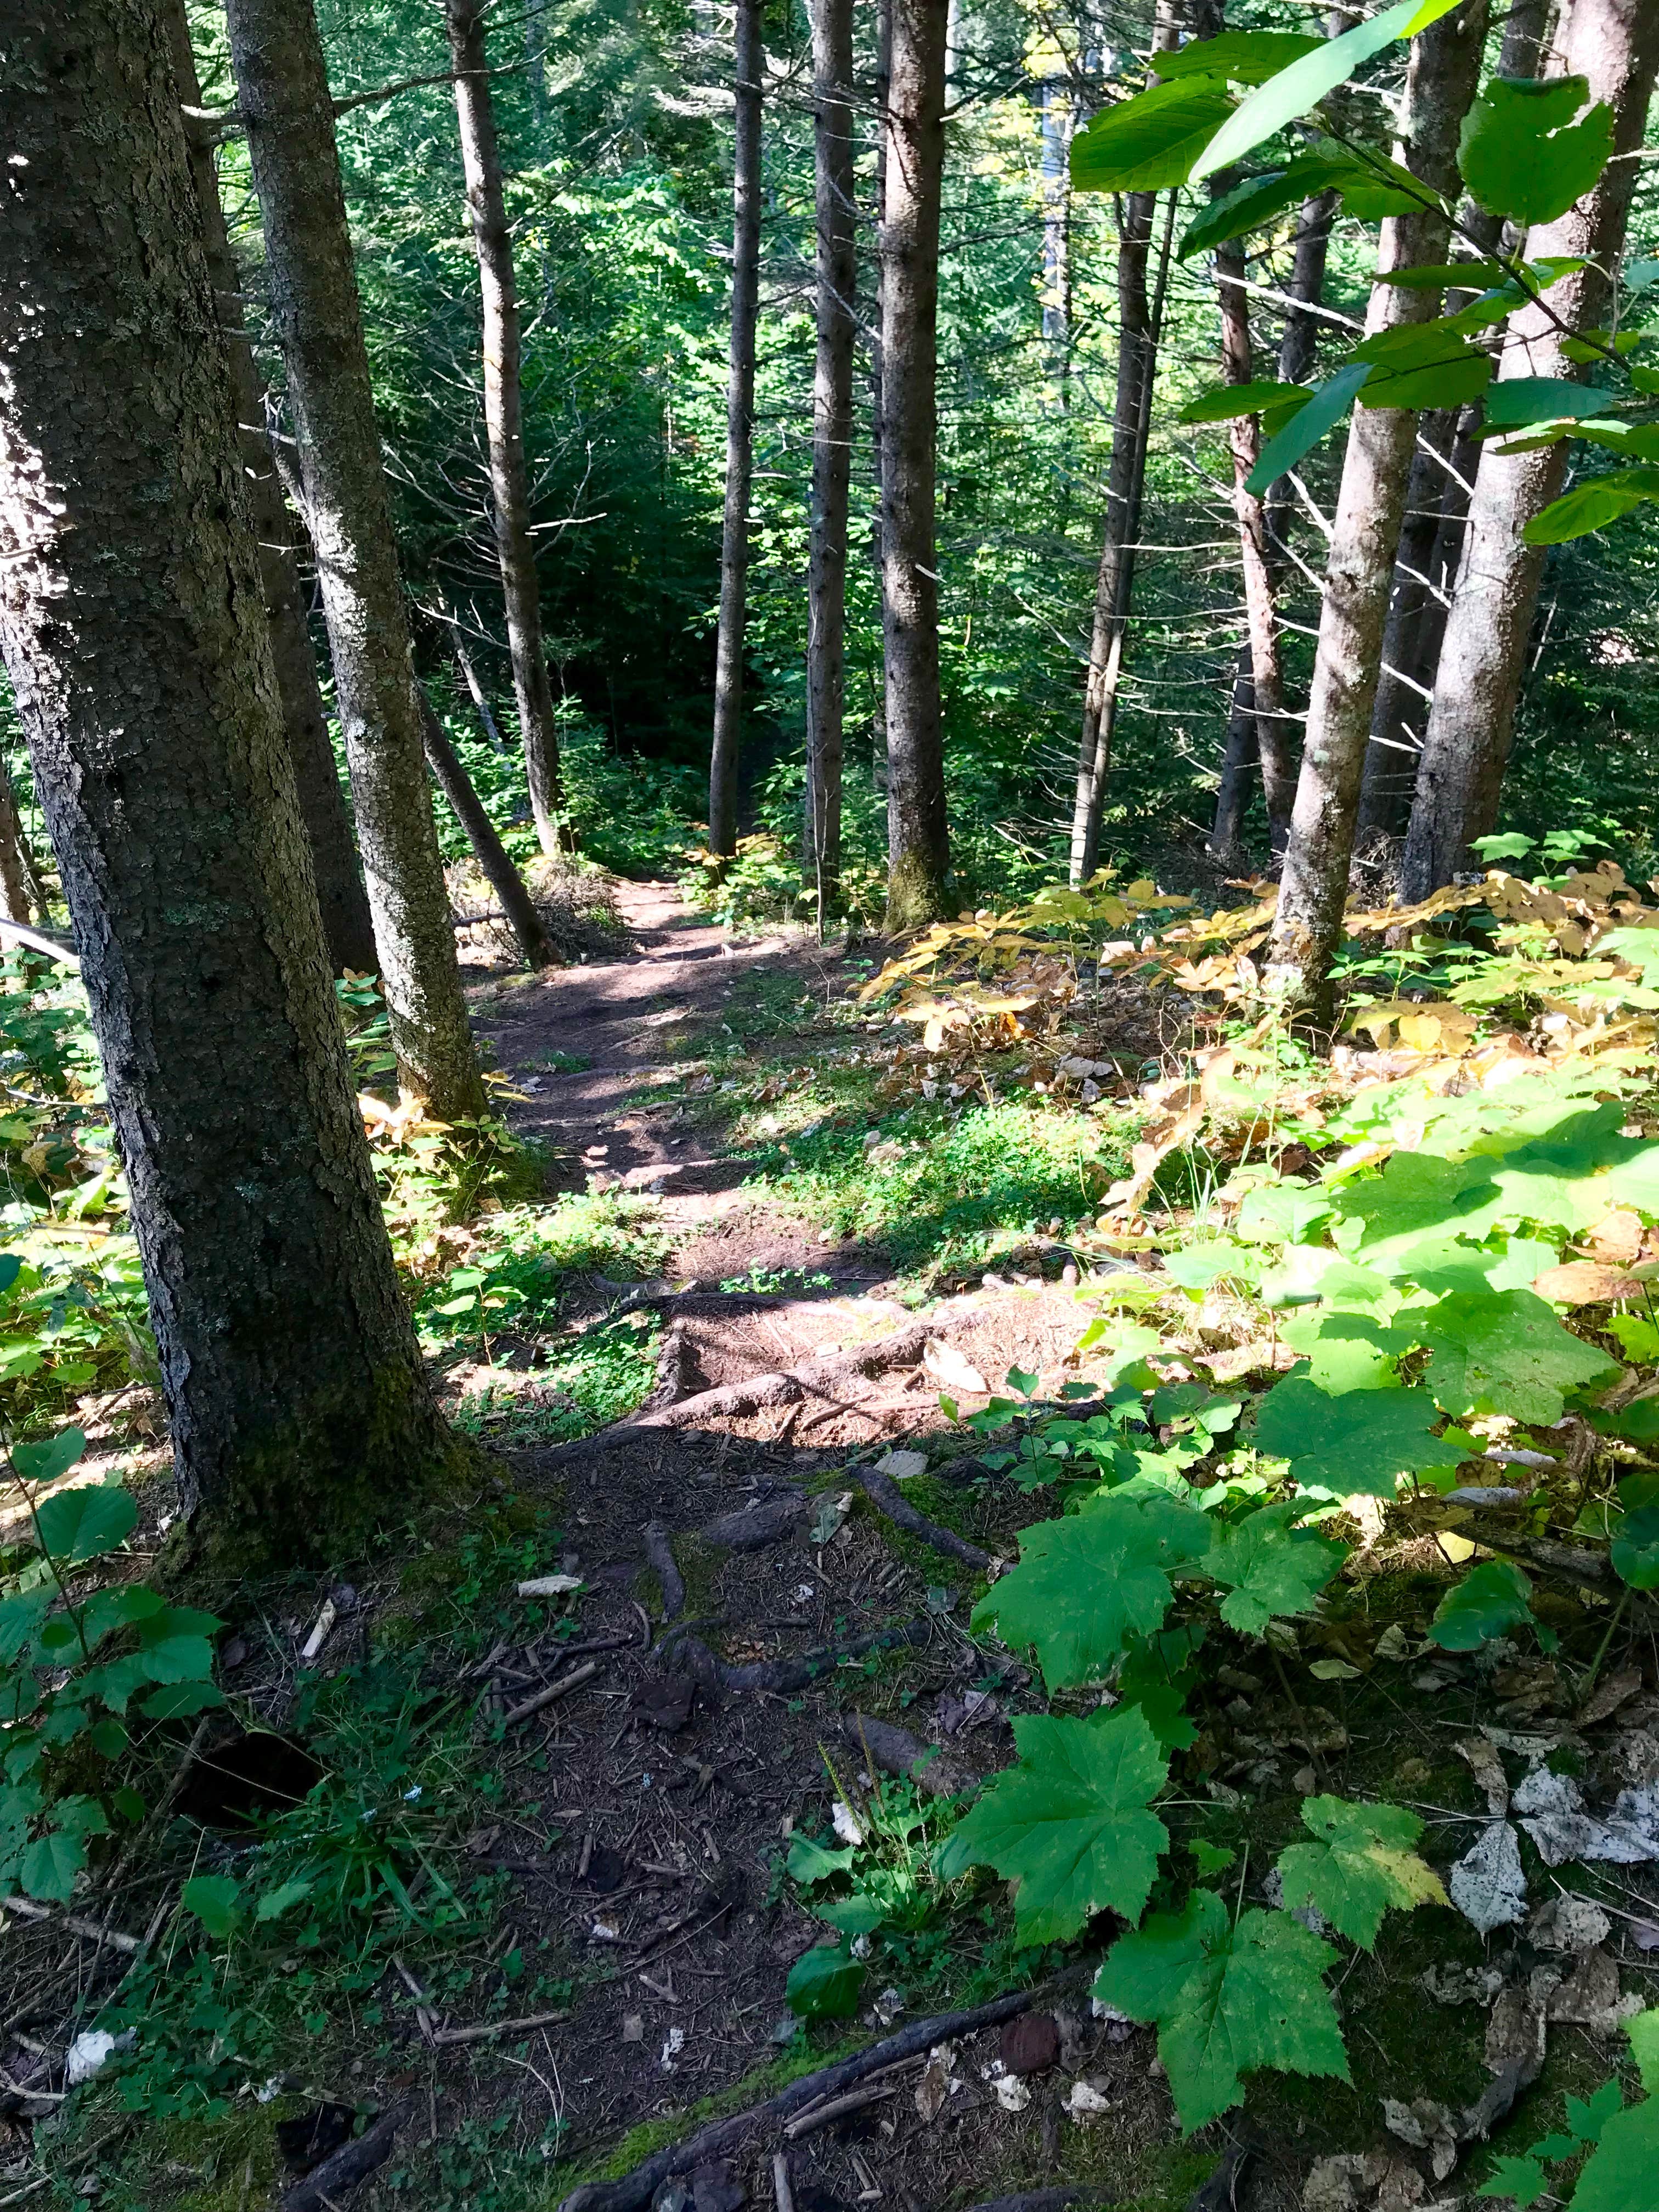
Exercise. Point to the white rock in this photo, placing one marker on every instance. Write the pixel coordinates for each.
(1486, 1885)
(902, 1465)
(1085, 2103)
(1013, 2095)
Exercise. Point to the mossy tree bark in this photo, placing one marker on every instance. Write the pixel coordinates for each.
(1614, 44)
(283, 92)
(726, 746)
(136, 635)
(918, 846)
(503, 397)
(1440, 87)
(832, 442)
(348, 927)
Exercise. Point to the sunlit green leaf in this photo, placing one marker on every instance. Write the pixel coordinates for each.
(1225, 401)
(45, 1462)
(1270, 1569)
(1364, 1863)
(83, 1524)
(1492, 1599)
(1150, 142)
(1593, 506)
(1330, 403)
(1359, 1444)
(1241, 57)
(1523, 155)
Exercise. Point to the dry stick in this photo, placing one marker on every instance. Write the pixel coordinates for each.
(884, 1494)
(823, 2116)
(573, 1680)
(783, 2194)
(27, 1909)
(486, 2029)
(636, 2190)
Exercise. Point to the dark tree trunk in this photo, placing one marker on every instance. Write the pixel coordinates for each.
(1615, 45)
(509, 488)
(283, 91)
(136, 638)
(1440, 86)
(883, 79)
(832, 443)
(749, 56)
(346, 926)
(1238, 761)
(14, 875)
(917, 846)
(1137, 363)
(482, 835)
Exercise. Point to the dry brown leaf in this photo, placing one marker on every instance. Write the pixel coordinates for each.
(1585, 1283)
(1616, 1238)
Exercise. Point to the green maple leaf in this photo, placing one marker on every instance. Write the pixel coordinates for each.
(1270, 1569)
(1358, 1444)
(1619, 2174)
(1347, 1350)
(1493, 1598)
(1226, 1998)
(1520, 2180)
(1086, 1583)
(1070, 1822)
(1363, 1865)
(1504, 1352)
(1416, 1192)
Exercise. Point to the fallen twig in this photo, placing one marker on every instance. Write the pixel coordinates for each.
(825, 2116)
(636, 2190)
(27, 1909)
(884, 1494)
(566, 1683)
(486, 2029)
(345, 2168)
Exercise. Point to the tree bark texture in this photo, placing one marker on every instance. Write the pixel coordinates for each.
(348, 927)
(727, 745)
(482, 835)
(1440, 85)
(1615, 45)
(832, 442)
(1436, 509)
(1238, 761)
(884, 77)
(1137, 350)
(136, 635)
(14, 876)
(283, 91)
(918, 848)
(503, 396)
(1057, 117)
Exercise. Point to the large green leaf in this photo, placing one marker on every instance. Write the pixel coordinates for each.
(1070, 1822)
(49, 1865)
(216, 1901)
(1085, 1583)
(1619, 2175)
(1330, 403)
(1416, 1192)
(1418, 365)
(1517, 401)
(1524, 155)
(1592, 506)
(1357, 1445)
(1364, 1863)
(1635, 1549)
(1347, 1350)
(824, 1983)
(1370, 190)
(1270, 1569)
(1504, 1352)
(1305, 82)
(1492, 1599)
(1225, 401)
(1150, 142)
(45, 1462)
(1241, 57)
(83, 1524)
(1226, 2000)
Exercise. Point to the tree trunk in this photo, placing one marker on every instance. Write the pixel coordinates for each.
(14, 879)
(1615, 45)
(1445, 62)
(509, 489)
(346, 926)
(136, 638)
(1137, 347)
(727, 745)
(883, 85)
(476, 692)
(1056, 126)
(1238, 759)
(283, 91)
(917, 846)
(482, 835)
(832, 443)
(1436, 509)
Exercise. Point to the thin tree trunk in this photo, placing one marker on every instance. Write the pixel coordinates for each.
(136, 638)
(283, 91)
(1239, 761)
(509, 488)
(476, 692)
(13, 880)
(1436, 509)
(1440, 86)
(1113, 580)
(1056, 126)
(346, 922)
(482, 835)
(832, 443)
(883, 85)
(727, 745)
(918, 846)
(1615, 45)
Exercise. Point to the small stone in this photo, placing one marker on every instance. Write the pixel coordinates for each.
(1029, 2044)
(717, 2186)
(633, 2027)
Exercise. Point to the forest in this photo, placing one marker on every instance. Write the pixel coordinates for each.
(829, 1009)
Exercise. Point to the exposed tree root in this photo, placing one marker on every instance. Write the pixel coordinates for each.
(884, 1495)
